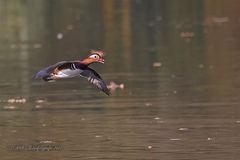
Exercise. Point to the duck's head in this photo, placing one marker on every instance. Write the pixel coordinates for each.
(95, 56)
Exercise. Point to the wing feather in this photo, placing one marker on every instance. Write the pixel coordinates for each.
(94, 78)
(47, 71)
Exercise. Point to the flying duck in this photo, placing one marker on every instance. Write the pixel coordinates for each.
(69, 69)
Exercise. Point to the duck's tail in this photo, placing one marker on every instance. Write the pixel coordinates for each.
(40, 74)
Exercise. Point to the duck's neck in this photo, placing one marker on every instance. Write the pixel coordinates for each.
(86, 61)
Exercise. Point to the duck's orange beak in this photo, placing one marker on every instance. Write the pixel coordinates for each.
(101, 60)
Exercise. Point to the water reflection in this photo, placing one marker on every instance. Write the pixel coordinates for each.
(186, 107)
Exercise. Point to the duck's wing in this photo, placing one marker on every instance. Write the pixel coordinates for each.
(50, 69)
(94, 78)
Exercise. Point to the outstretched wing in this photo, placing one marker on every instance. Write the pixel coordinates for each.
(94, 78)
(47, 71)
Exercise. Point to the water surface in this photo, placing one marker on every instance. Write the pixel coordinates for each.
(187, 108)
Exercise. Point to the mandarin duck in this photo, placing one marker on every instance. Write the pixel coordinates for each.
(69, 69)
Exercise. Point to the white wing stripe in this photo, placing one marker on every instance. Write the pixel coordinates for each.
(74, 66)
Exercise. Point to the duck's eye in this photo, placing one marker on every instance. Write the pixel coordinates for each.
(94, 56)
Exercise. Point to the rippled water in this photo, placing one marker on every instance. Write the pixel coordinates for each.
(181, 83)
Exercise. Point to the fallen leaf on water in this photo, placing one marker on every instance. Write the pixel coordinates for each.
(209, 139)
(157, 64)
(59, 36)
(183, 129)
(113, 86)
(16, 100)
(148, 104)
(220, 19)
(187, 34)
(46, 141)
(175, 139)
(38, 106)
(9, 107)
(40, 101)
